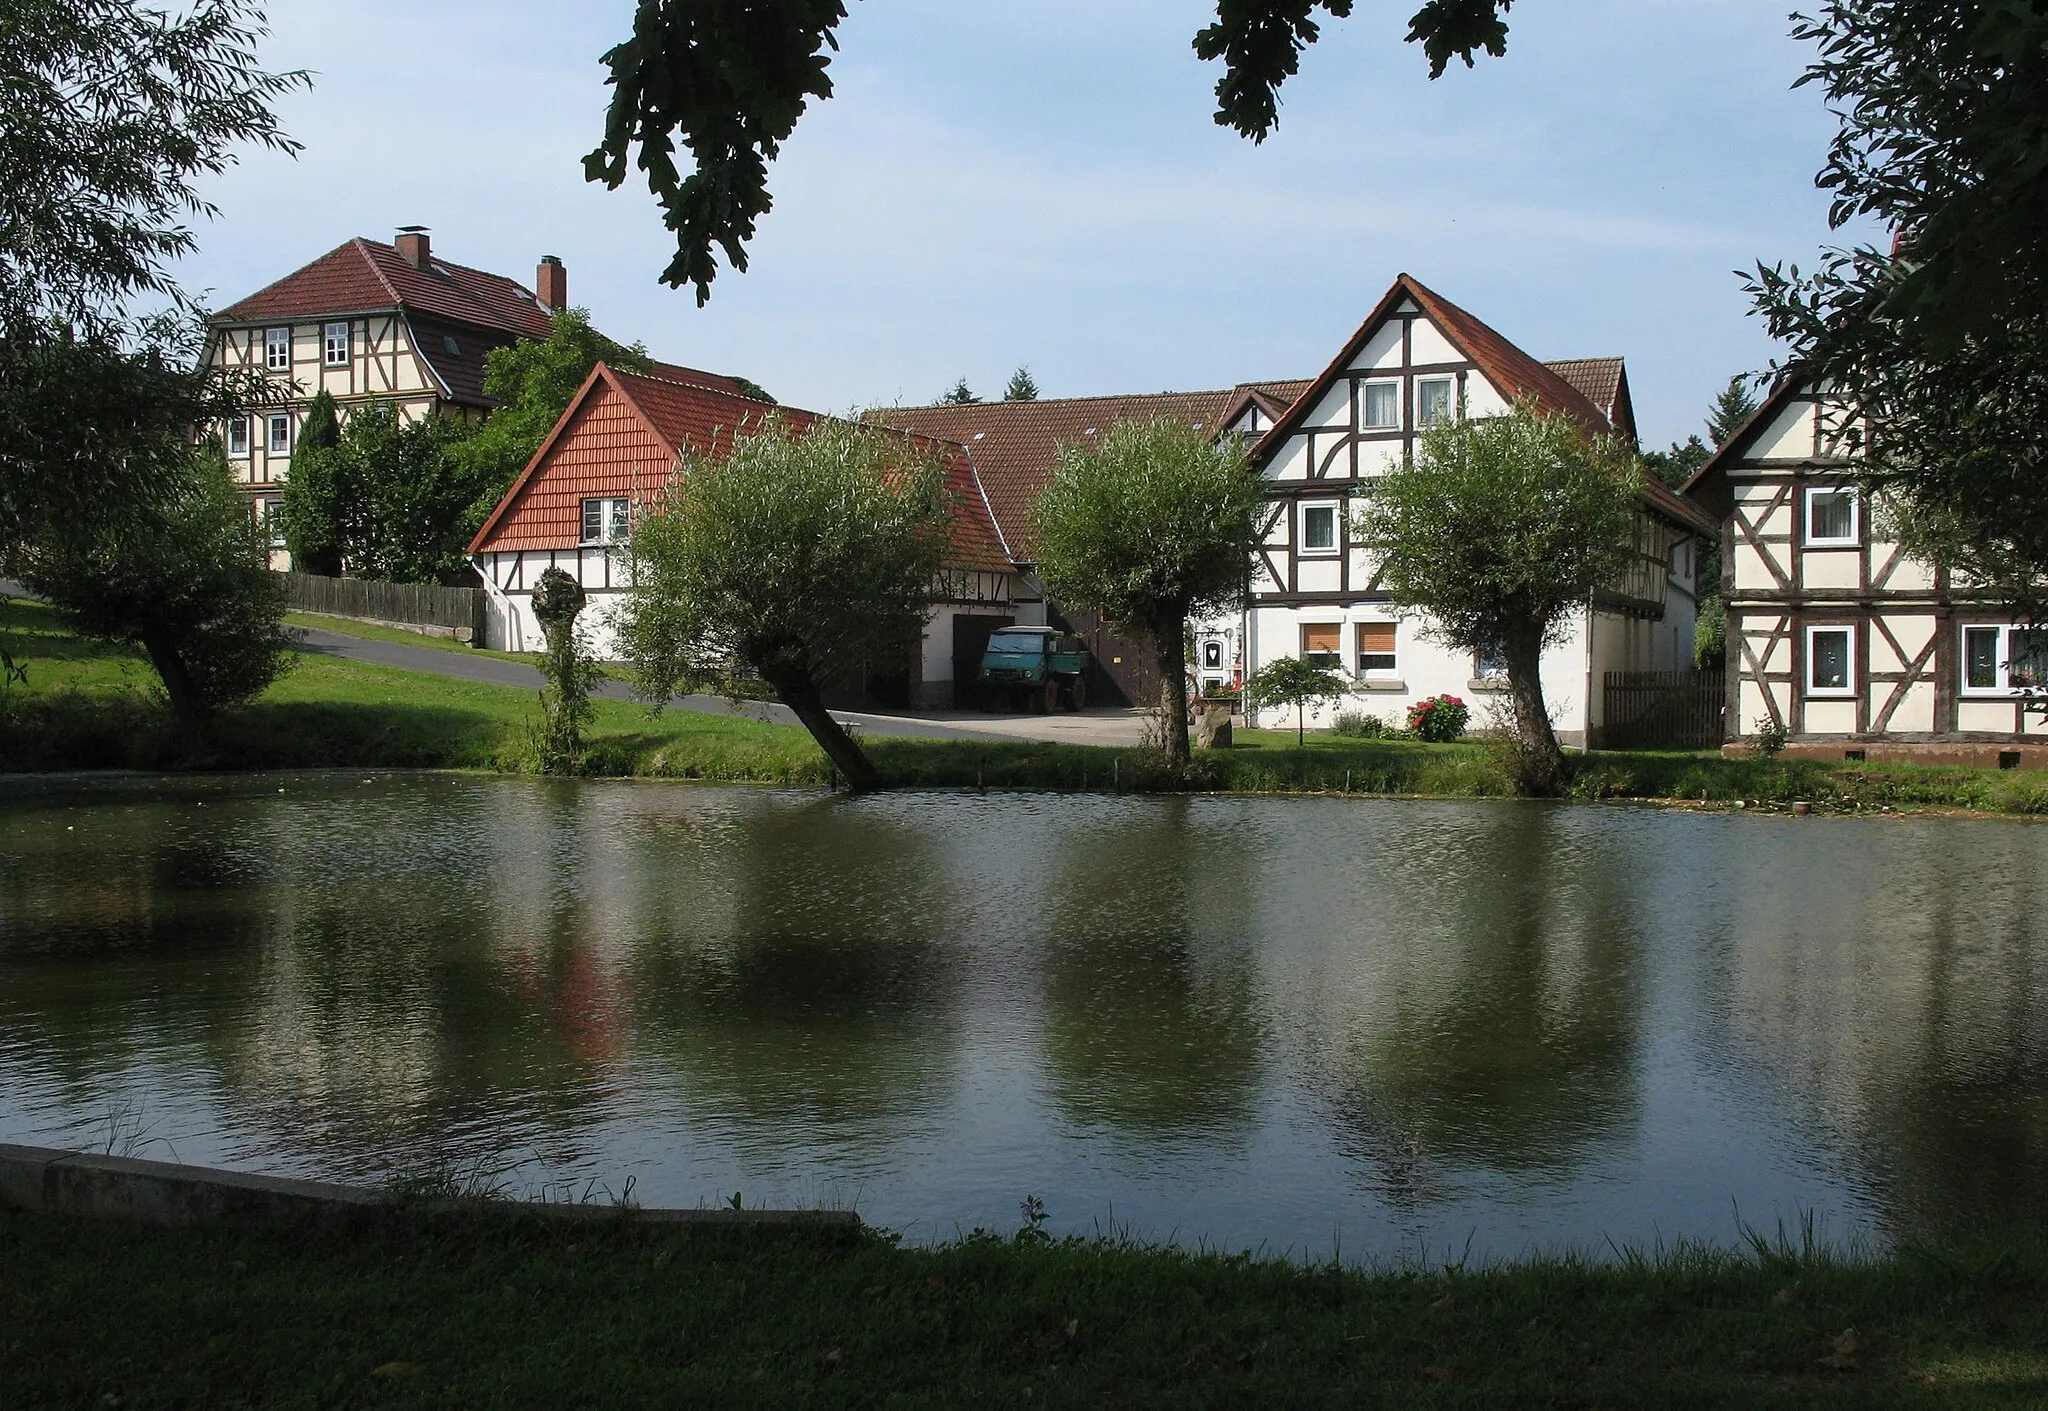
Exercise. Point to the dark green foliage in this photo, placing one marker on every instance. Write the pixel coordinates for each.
(571, 675)
(314, 531)
(754, 389)
(407, 506)
(1151, 525)
(1439, 719)
(1022, 388)
(961, 395)
(1293, 681)
(533, 382)
(188, 583)
(806, 559)
(1679, 464)
(727, 80)
(1710, 634)
(320, 430)
(1732, 406)
(1500, 528)
(1943, 346)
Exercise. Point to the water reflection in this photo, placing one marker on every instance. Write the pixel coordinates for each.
(1245, 1019)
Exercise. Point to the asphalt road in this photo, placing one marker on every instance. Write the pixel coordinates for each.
(1090, 727)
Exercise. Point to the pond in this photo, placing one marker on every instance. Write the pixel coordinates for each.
(1379, 1028)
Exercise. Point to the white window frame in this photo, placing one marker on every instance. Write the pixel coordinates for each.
(1336, 546)
(238, 426)
(337, 344)
(1854, 537)
(277, 341)
(2001, 661)
(274, 444)
(616, 516)
(273, 522)
(1848, 687)
(1392, 385)
(1360, 669)
(1450, 386)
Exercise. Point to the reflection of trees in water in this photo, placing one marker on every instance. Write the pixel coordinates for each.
(1152, 1020)
(792, 971)
(1887, 980)
(1496, 1001)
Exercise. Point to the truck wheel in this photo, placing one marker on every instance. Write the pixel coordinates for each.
(1048, 699)
(1077, 697)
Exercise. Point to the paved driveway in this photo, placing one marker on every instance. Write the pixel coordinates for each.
(1108, 726)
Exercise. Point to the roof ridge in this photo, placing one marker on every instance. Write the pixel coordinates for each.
(1048, 401)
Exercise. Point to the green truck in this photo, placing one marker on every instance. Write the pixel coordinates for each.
(1032, 667)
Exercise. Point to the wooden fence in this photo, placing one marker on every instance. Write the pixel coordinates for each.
(453, 612)
(1664, 710)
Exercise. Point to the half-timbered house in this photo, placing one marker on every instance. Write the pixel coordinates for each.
(1417, 359)
(370, 322)
(1838, 638)
(621, 439)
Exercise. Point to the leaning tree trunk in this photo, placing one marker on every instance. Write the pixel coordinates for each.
(801, 694)
(170, 669)
(1540, 763)
(1171, 650)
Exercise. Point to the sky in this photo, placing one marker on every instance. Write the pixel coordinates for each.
(998, 183)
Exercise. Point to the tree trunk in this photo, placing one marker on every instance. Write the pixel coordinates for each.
(1171, 650)
(170, 669)
(802, 696)
(1540, 763)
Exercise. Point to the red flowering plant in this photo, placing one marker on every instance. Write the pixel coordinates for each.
(1439, 719)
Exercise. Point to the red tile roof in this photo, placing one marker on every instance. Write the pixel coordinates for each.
(624, 432)
(1015, 444)
(365, 275)
(1604, 381)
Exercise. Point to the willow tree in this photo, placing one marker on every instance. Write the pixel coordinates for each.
(1151, 526)
(802, 557)
(1501, 528)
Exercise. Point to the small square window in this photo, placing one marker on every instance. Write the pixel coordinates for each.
(277, 349)
(605, 520)
(1432, 400)
(1831, 516)
(1828, 671)
(273, 522)
(1319, 529)
(1322, 644)
(1379, 405)
(1375, 647)
(1980, 658)
(280, 443)
(336, 345)
(238, 436)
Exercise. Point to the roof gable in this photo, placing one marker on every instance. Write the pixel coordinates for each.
(363, 275)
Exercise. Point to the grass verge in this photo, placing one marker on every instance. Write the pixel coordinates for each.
(406, 1309)
(87, 706)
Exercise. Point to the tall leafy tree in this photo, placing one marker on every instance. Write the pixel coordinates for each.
(314, 531)
(1023, 387)
(1150, 526)
(1500, 529)
(406, 502)
(803, 558)
(1939, 342)
(726, 80)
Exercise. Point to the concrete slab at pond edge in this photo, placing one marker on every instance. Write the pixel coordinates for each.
(52, 1181)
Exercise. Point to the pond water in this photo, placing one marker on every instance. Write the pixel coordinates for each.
(1377, 1027)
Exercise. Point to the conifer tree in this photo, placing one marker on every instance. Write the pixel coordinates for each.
(960, 396)
(1022, 388)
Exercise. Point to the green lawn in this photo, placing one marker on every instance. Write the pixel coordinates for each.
(507, 1310)
(376, 632)
(91, 707)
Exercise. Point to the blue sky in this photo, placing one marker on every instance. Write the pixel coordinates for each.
(1005, 182)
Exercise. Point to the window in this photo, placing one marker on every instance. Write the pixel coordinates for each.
(280, 434)
(1827, 661)
(238, 436)
(1831, 516)
(1432, 400)
(1375, 647)
(1379, 405)
(1489, 663)
(1319, 529)
(1999, 659)
(277, 349)
(273, 522)
(336, 345)
(604, 521)
(1322, 644)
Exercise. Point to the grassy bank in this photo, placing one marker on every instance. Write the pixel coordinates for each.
(476, 1311)
(91, 707)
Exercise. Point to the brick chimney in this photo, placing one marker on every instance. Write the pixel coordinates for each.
(414, 247)
(551, 283)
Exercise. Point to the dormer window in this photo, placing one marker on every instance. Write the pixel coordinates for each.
(277, 349)
(335, 345)
(1432, 400)
(1831, 517)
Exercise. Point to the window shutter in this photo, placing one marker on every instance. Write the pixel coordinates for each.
(1322, 637)
(1376, 637)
